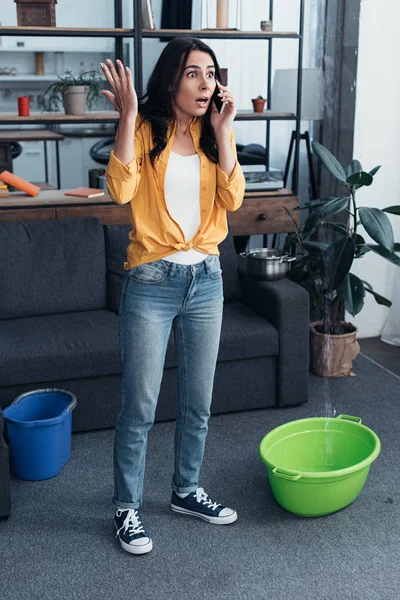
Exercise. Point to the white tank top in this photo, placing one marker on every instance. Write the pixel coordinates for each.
(182, 196)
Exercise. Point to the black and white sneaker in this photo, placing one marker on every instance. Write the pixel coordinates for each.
(198, 504)
(130, 531)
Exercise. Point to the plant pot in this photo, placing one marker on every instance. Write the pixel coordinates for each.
(74, 99)
(258, 104)
(332, 355)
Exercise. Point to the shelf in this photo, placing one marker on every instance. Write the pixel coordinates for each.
(92, 117)
(48, 197)
(219, 34)
(146, 33)
(59, 50)
(28, 78)
(266, 115)
(67, 31)
(269, 193)
(29, 135)
(111, 115)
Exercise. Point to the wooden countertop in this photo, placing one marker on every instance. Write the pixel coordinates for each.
(49, 198)
(58, 198)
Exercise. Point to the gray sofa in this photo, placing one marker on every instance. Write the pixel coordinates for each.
(61, 284)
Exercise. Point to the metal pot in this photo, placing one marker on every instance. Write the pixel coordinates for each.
(264, 264)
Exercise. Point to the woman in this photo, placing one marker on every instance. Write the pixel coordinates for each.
(175, 160)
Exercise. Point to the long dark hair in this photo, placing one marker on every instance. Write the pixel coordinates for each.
(156, 104)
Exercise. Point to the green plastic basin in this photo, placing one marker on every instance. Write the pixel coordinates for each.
(319, 465)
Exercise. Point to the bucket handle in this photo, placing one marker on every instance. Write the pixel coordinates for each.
(350, 418)
(286, 473)
(69, 408)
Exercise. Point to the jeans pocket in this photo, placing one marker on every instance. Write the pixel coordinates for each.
(214, 267)
(149, 273)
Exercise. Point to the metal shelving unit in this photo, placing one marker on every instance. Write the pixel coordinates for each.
(267, 115)
(119, 33)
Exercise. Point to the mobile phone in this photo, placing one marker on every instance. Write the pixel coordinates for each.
(217, 100)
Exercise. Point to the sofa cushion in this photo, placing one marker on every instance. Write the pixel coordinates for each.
(117, 241)
(52, 266)
(64, 346)
(244, 334)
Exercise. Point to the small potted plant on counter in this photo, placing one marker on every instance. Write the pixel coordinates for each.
(75, 93)
(258, 104)
(325, 265)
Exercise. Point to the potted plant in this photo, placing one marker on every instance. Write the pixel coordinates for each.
(74, 92)
(328, 249)
(258, 104)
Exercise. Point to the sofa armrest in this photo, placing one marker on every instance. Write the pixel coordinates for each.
(286, 305)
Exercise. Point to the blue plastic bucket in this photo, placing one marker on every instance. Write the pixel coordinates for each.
(39, 426)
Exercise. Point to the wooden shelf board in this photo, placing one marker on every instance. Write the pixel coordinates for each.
(248, 115)
(49, 198)
(67, 31)
(13, 118)
(127, 31)
(218, 33)
(111, 115)
(27, 135)
(269, 193)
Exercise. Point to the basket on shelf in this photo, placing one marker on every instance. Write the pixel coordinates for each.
(36, 13)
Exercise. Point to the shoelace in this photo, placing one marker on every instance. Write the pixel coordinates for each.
(131, 524)
(203, 498)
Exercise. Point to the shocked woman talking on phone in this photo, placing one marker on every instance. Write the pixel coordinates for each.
(175, 162)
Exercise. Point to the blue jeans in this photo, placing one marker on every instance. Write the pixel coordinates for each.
(156, 296)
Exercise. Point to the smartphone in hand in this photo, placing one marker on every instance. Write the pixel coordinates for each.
(217, 100)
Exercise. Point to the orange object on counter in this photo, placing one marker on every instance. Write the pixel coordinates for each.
(19, 183)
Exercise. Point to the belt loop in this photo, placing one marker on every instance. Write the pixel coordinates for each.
(172, 269)
(207, 265)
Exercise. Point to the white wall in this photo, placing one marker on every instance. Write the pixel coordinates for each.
(376, 141)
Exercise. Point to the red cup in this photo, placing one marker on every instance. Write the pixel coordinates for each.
(23, 106)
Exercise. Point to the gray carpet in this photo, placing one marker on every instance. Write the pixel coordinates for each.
(59, 542)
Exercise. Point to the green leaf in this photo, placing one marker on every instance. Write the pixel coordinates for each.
(360, 179)
(379, 299)
(352, 293)
(354, 167)
(311, 222)
(374, 170)
(385, 253)
(335, 226)
(329, 161)
(377, 225)
(361, 247)
(311, 204)
(393, 210)
(315, 247)
(333, 206)
(337, 261)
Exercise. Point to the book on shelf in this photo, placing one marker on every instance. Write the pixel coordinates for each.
(258, 178)
(84, 192)
(148, 21)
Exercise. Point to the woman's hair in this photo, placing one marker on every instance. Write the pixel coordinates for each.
(156, 104)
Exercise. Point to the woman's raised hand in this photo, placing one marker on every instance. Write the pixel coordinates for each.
(120, 79)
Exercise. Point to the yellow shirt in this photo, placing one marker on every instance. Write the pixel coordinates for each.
(155, 233)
